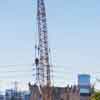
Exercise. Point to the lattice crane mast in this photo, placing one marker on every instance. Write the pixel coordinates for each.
(42, 58)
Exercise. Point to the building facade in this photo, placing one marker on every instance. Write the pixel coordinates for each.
(2, 97)
(84, 86)
(16, 95)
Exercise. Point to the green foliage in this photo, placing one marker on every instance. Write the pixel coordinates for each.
(95, 96)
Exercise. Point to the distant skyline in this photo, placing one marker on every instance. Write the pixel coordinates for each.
(74, 37)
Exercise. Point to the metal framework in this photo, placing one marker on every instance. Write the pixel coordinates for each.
(42, 62)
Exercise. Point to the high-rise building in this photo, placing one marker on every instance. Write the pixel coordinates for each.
(84, 86)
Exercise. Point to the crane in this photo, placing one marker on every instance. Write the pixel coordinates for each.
(42, 63)
(42, 59)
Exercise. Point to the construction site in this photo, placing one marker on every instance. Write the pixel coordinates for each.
(43, 89)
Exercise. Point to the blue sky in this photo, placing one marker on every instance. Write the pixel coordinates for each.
(74, 38)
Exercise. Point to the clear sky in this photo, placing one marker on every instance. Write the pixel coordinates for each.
(74, 37)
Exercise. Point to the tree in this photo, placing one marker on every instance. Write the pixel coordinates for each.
(95, 96)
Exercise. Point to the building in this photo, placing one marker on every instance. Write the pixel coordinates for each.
(1, 97)
(14, 95)
(66, 93)
(26, 95)
(58, 93)
(9, 94)
(84, 86)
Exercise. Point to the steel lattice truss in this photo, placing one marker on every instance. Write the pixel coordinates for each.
(43, 67)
